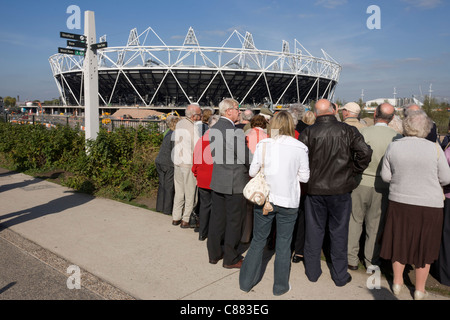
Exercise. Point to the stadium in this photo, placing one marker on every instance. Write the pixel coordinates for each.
(159, 75)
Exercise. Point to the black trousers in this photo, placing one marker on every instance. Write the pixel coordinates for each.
(225, 227)
(440, 269)
(204, 199)
(335, 209)
(166, 189)
(298, 242)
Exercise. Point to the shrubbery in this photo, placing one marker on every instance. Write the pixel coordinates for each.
(117, 164)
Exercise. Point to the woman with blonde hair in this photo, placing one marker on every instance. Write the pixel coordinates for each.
(286, 164)
(309, 118)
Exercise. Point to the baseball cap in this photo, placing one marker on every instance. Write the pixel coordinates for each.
(352, 107)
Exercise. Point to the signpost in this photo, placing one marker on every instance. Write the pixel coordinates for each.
(72, 36)
(71, 51)
(91, 116)
(100, 45)
(77, 44)
(90, 70)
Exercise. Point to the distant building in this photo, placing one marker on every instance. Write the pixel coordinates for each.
(398, 103)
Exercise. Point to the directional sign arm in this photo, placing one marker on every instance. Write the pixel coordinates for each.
(72, 36)
(71, 51)
(100, 45)
(77, 44)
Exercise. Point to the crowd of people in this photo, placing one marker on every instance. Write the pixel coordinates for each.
(363, 190)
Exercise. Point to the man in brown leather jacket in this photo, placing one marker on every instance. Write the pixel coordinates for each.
(337, 154)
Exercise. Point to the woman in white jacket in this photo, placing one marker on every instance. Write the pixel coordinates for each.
(286, 164)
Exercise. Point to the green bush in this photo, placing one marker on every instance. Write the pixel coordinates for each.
(29, 147)
(119, 163)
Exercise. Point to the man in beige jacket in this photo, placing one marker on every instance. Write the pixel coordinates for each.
(350, 114)
(185, 137)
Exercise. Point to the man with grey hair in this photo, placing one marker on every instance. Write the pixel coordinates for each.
(244, 119)
(231, 161)
(185, 137)
(412, 107)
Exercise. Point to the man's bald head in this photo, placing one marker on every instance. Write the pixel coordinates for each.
(323, 107)
(384, 113)
(414, 107)
(410, 108)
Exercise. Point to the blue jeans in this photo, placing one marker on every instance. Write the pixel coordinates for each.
(250, 272)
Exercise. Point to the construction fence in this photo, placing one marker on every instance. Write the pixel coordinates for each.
(78, 121)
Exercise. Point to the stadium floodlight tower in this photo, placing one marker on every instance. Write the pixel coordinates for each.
(158, 75)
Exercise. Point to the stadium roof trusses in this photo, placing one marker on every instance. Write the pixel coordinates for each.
(159, 74)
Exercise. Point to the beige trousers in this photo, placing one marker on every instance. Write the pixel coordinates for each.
(185, 198)
(368, 211)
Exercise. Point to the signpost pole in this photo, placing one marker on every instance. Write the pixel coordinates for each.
(91, 104)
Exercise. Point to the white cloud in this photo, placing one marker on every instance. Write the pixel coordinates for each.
(406, 60)
(425, 4)
(330, 4)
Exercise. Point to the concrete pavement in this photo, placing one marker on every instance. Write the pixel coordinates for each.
(135, 253)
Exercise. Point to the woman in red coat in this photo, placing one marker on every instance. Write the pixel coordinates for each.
(202, 169)
(257, 132)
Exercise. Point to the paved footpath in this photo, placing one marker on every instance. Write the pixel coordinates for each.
(128, 252)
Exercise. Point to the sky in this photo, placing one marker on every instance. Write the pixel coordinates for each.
(404, 45)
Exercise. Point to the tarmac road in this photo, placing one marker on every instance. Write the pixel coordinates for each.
(24, 277)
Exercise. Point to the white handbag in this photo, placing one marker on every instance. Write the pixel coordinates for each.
(257, 190)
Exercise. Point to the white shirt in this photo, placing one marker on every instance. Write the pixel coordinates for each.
(286, 165)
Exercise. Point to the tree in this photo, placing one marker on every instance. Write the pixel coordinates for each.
(361, 103)
(340, 102)
(9, 102)
(438, 112)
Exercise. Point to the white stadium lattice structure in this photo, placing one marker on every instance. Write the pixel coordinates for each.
(161, 75)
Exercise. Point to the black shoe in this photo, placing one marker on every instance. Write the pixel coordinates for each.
(296, 258)
(348, 280)
(350, 267)
(202, 238)
(193, 220)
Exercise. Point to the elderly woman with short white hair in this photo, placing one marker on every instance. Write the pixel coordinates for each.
(416, 170)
